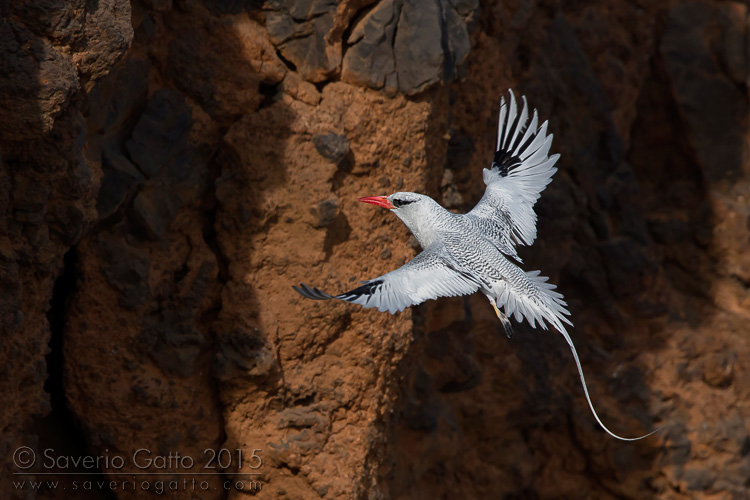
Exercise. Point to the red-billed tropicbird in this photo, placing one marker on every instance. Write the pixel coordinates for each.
(465, 253)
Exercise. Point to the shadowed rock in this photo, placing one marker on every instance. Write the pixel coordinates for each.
(409, 45)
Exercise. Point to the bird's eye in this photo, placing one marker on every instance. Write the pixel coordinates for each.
(400, 203)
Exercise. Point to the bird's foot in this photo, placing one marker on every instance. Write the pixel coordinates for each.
(503, 319)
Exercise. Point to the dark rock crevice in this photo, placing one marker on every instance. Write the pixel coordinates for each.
(60, 433)
(64, 288)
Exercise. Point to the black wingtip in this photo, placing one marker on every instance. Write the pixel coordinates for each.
(312, 293)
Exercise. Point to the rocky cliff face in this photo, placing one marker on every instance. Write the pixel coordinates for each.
(52, 55)
(170, 169)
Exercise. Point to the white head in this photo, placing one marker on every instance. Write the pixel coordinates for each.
(417, 211)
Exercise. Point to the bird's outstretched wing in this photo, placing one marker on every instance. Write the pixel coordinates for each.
(429, 275)
(520, 171)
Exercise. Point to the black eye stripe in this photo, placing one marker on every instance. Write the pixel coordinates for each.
(400, 203)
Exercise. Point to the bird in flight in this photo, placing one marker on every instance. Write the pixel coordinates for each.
(466, 253)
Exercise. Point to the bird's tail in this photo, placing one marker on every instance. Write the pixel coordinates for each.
(536, 300)
(549, 303)
(588, 398)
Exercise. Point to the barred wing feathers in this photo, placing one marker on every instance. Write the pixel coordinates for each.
(429, 275)
(520, 170)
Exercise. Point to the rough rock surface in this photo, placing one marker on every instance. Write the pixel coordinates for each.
(192, 160)
(409, 45)
(51, 53)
